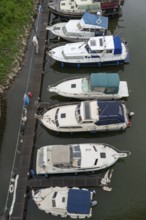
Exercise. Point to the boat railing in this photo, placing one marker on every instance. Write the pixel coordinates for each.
(118, 151)
(63, 80)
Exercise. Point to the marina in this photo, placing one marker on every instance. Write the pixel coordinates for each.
(124, 180)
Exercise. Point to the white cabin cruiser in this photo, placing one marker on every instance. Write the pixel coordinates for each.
(96, 86)
(74, 158)
(76, 8)
(98, 51)
(88, 116)
(88, 26)
(64, 201)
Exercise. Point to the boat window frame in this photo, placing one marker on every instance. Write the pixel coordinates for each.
(77, 113)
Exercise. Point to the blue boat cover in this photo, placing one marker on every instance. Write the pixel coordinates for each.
(106, 80)
(78, 201)
(110, 112)
(117, 45)
(94, 19)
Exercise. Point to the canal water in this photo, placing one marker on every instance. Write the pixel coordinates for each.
(127, 200)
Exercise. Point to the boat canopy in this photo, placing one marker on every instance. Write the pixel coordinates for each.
(105, 80)
(93, 19)
(110, 112)
(78, 201)
(117, 45)
(60, 155)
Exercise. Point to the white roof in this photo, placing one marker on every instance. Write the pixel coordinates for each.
(101, 43)
(69, 119)
(83, 2)
(89, 111)
(71, 26)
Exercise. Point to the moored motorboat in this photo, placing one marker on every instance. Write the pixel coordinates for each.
(96, 86)
(91, 116)
(75, 158)
(98, 51)
(88, 26)
(64, 201)
(76, 8)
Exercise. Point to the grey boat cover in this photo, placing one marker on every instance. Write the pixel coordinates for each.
(61, 154)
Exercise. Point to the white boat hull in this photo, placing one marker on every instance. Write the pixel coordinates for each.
(90, 153)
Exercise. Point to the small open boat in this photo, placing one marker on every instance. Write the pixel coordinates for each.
(96, 86)
(64, 201)
(75, 158)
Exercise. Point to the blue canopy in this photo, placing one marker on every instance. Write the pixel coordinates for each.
(78, 201)
(94, 19)
(110, 112)
(106, 80)
(117, 45)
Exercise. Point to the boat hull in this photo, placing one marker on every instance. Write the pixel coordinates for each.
(94, 64)
(107, 10)
(112, 156)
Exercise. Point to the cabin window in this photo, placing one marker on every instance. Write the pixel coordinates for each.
(86, 29)
(110, 90)
(103, 155)
(54, 195)
(72, 7)
(63, 199)
(92, 30)
(99, 51)
(53, 203)
(76, 148)
(56, 118)
(100, 42)
(94, 148)
(64, 30)
(63, 4)
(98, 89)
(73, 85)
(77, 114)
(92, 42)
(79, 26)
(109, 51)
(63, 115)
(76, 151)
(95, 162)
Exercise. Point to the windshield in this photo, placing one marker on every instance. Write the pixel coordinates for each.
(77, 113)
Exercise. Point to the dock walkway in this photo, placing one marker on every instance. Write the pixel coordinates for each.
(37, 62)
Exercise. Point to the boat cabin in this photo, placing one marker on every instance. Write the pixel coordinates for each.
(110, 112)
(89, 23)
(107, 83)
(104, 44)
(80, 5)
(79, 201)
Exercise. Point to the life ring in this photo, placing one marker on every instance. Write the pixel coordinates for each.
(98, 21)
(11, 189)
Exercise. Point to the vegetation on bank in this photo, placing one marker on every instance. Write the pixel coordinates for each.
(15, 15)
